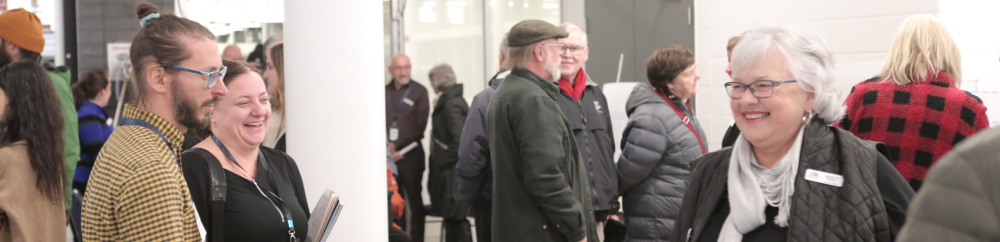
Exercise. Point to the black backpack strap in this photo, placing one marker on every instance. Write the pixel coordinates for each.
(218, 193)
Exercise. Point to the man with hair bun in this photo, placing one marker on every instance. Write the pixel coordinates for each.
(137, 191)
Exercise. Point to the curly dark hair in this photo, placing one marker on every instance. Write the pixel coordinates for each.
(32, 115)
(665, 64)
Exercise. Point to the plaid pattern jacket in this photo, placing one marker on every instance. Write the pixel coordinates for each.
(137, 191)
(919, 122)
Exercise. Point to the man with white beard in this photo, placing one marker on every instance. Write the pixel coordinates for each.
(541, 188)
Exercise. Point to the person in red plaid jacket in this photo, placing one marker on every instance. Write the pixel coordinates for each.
(920, 117)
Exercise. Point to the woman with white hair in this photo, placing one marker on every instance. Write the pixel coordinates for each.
(790, 176)
(918, 122)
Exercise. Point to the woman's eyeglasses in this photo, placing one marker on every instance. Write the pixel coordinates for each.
(759, 89)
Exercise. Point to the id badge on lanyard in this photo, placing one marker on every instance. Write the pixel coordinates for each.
(393, 132)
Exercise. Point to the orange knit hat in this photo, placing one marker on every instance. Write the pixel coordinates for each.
(23, 29)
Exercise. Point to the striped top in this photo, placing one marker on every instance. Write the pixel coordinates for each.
(136, 190)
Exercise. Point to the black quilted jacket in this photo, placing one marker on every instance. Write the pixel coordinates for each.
(854, 212)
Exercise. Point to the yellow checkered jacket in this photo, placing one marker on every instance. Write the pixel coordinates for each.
(136, 190)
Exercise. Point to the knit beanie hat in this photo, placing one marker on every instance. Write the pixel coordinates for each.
(23, 29)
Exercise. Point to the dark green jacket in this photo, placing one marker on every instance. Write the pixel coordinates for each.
(539, 180)
(61, 77)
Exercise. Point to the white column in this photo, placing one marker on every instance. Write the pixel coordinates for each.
(336, 109)
(60, 32)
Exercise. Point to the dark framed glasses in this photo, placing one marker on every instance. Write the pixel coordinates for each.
(759, 89)
(211, 78)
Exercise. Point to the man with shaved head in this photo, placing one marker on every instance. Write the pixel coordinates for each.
(232, 52)
(406, 111)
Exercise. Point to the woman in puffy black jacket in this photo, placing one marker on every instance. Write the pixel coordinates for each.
(659, 142)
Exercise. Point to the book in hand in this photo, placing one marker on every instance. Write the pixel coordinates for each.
(324, 216)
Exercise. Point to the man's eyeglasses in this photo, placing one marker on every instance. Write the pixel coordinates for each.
(563, 48)
(759, 89)
(211, 78)
(396, 68)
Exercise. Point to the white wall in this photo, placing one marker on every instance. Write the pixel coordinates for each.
(336, 109)
(966, 19)
(858, 32)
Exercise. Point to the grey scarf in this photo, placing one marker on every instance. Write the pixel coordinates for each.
(753, 187)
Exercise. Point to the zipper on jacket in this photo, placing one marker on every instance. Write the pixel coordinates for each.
(689, 235)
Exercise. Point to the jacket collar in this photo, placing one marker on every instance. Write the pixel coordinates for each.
(169, 132)
(87, 105)
(590, 81)
(942, 78)
(392, 84)
(549, 87)
(449, 92)
(495, 81)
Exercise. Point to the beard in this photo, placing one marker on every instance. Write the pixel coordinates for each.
(552, 66)
(186, 110)
(403, 79)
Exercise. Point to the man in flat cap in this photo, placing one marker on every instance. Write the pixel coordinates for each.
(541, 191)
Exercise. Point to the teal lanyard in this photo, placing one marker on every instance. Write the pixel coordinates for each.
(276, 201)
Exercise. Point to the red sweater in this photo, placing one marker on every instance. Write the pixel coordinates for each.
(919, 122)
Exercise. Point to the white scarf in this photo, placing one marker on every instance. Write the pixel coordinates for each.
(753, 187)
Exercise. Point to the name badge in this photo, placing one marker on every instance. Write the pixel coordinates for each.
(407, 101)
(393, 134)
(824, 178)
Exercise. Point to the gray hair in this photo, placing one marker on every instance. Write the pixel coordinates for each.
(570, 27)
(504, 48)
(520, 57)
(272, 41)
(807, 58)
(441, 76)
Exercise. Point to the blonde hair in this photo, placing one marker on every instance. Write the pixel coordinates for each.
(278, 58)
(922, 44)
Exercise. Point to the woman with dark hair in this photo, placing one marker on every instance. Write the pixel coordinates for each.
(31, 161)
(660, 140)
(275, 75)
(264, 191)
(91, 94)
